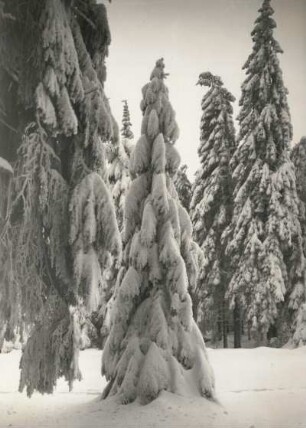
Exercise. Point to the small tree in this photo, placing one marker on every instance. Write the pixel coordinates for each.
(183, 186)
(265, 236)
(297, 299)
(154, 343)
(211, 205)
(126, 130)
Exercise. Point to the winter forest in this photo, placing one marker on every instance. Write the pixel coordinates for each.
(152, 225)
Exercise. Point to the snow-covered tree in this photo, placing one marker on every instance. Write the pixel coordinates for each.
(211, 205)
(265, 236)
(126, 130)
(299, 336)
(154, 343)
(298, 157)
(63, 226)
(183, 186)
(119, 153)
(297, 299)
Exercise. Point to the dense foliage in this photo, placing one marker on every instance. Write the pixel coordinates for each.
(297, 301)
(183, 186)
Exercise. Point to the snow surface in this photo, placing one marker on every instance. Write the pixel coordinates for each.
(256, 388)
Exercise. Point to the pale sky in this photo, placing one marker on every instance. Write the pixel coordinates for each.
(194, 36)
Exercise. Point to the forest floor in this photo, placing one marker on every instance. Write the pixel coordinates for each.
(256, 388)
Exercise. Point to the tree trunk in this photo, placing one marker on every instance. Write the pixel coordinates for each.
(2, 334)
(237, 326)
(224, 325)
(249, 331)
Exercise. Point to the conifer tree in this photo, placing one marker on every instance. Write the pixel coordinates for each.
(63, 230)
(119, 153)
(297, 299)
(126, 130)
(183, 186)
(154, 343)
(265, 236)
(211, 205)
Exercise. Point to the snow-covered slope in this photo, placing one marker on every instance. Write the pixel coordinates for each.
(256, 388)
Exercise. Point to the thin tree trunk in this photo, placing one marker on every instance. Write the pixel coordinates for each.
(224, 325)
(2, 334)
(237, 326)
(249, 332)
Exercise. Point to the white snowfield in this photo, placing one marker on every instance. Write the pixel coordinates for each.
(256, 388)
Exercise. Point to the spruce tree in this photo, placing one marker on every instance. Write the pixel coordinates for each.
(154, 343)
(265, 236)
(63, 230)
(119, 153)
(126, 130)
(211, 205)
(183, 186)
(297, 298)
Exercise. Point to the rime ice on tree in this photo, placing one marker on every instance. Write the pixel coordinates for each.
(154, 343)
(265, 247)
(211, 205)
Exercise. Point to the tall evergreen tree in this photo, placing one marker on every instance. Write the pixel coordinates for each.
(154, 343)
(265, 236)
(183, 186)
(297, 299)
(119, 153)
(62, 228)
(211, 205)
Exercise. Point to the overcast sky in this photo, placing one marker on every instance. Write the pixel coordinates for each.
(195, 36)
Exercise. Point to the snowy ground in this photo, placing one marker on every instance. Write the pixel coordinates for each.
(262, 387)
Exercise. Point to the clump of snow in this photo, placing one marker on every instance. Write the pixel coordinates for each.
(5, 166)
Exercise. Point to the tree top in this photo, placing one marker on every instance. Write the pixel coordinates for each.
(159, 70)
(266, 8)
(208, 79)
